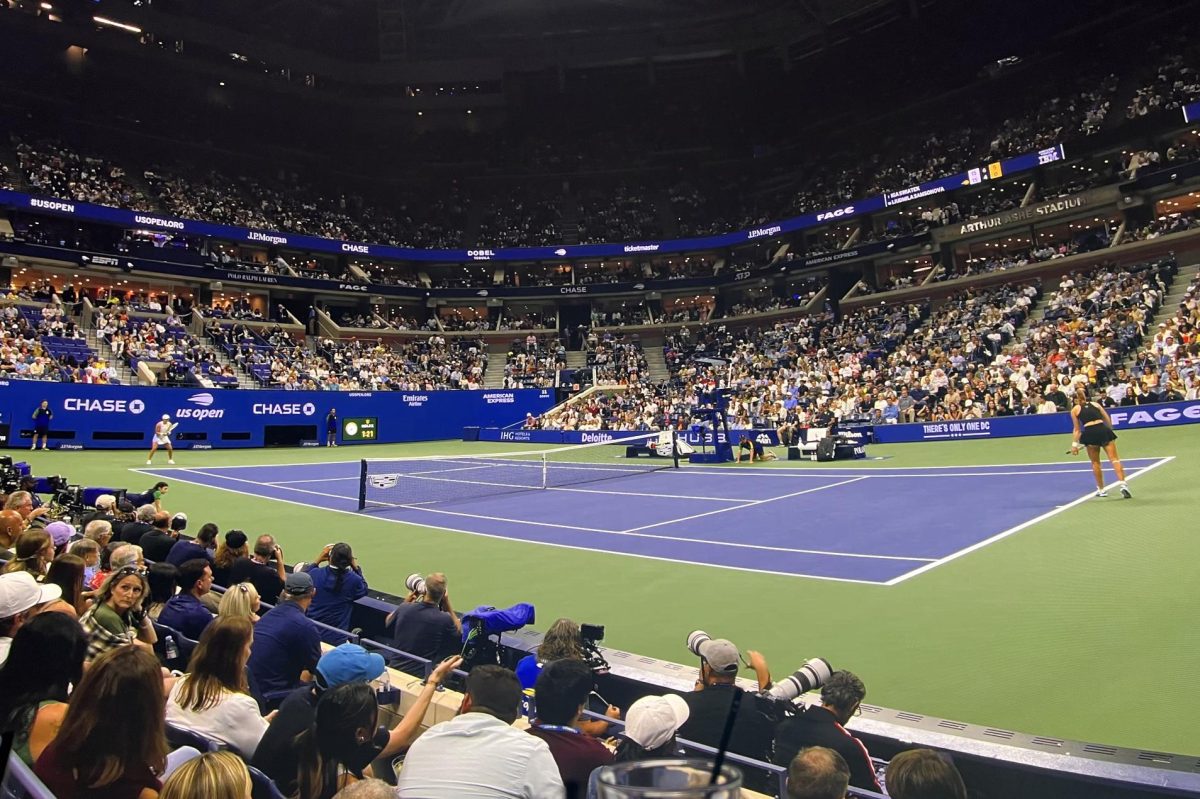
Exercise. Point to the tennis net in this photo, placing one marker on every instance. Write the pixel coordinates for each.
(439, 479)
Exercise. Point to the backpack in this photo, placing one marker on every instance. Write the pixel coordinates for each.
(825, 448)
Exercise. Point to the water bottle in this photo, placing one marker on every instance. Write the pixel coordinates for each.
(171, 649)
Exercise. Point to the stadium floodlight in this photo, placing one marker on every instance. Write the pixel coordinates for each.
(112, 23)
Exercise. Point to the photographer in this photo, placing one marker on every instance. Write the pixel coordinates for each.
(339, 584)
(425, 625)
(824, 725)
(264, 568)
(709, 705)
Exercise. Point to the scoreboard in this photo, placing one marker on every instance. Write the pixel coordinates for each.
(363, 428)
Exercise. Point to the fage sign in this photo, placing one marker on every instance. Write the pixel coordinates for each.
(1153, 415)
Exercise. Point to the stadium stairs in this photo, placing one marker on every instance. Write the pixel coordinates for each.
(101, 347)
(569, 214)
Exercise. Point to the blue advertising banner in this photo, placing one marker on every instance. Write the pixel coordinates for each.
(768, 438)
(304, 243)
(121, 417)
(1191, 112)
(1158, 415)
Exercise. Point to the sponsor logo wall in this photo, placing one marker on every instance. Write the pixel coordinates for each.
(1169, 413)
(121, 417)
(768, 438)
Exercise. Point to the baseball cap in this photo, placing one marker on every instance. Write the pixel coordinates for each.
(720, 655)
(179, 521)
(166, 417)
(105, 501)
(349, 663)
(298, 584)
(19, 592)
(652, 720)
(235, 539)
(60, 532)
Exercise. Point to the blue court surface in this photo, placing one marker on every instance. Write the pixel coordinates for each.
(868, 525)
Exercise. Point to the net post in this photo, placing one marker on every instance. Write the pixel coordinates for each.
(362, 485)
(545, 472)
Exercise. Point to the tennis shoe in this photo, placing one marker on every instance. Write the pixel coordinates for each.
(148, 463)
(1125, 491)
(1102, 493)
(170, 461)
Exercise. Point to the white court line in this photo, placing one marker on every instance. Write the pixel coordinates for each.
(1018, 528)
(288, 482)
(342, 496)
(590, 550)
(751, 503)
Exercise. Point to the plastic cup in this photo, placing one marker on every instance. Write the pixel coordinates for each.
(668, 779)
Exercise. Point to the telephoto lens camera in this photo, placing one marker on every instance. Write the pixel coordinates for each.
(810, 676)
(695, 640)
(590, 635)
(416, 584)
(10, 478)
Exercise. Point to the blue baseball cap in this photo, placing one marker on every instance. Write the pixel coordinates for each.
(348, 663)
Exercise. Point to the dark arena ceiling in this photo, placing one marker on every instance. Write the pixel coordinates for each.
(606, 30)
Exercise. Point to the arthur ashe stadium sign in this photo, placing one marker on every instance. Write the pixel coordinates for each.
(305, 243)
(1051, 209)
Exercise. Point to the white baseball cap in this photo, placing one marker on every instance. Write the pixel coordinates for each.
(19, 592)
(166, 416)
(652, 720)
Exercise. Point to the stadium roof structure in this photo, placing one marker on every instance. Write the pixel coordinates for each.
(533, 32)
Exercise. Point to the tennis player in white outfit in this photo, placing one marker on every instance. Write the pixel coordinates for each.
(162, 438)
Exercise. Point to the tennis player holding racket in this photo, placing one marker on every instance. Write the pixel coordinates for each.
(1093, 429)
(162, 438)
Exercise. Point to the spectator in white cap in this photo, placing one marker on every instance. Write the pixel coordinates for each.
(105, 503)
(20, 598)
(650, 726)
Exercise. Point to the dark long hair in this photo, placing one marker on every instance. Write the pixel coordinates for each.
(117, 722)
(341, 558)
(331, 740)
(66, 571)
(45, 660)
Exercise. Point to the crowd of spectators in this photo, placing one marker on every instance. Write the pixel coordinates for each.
(623, 214)
(52, 168)
(520, 222)
(1176, 83)
(534, 362)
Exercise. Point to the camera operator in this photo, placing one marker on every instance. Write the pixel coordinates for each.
(824, 725)
(132, 531)
(563, 641)
(426, 624)
(709, 705)
(263, 569)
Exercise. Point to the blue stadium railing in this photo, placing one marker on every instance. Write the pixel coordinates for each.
(21, 783)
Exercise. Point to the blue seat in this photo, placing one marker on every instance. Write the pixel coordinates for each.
(262, 786)
(180, 736)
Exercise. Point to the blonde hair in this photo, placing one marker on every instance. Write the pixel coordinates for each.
(239, 600)
(213, 775)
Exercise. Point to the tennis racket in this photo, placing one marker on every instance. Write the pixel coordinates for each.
(171, 427)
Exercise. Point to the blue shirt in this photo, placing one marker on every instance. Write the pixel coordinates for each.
(333, 607)
(188, 550)
(185, 613)
(285, 644)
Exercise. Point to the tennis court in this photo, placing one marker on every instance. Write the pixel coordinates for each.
(875, 525)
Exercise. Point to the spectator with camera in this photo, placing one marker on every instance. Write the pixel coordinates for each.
(824, 725)
(286, 643)
(185, 612)
(562, 695)
(105, 505)
(817, 772)
(425, 626)
(508, 761)
(202, 546)
(156, 544)
(710, 704)
(231, 548)
(338, 584)
(264, 568)
(563, 641)
(131, 532)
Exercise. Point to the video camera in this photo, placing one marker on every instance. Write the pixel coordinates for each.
(590, 636)
(10, 478)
